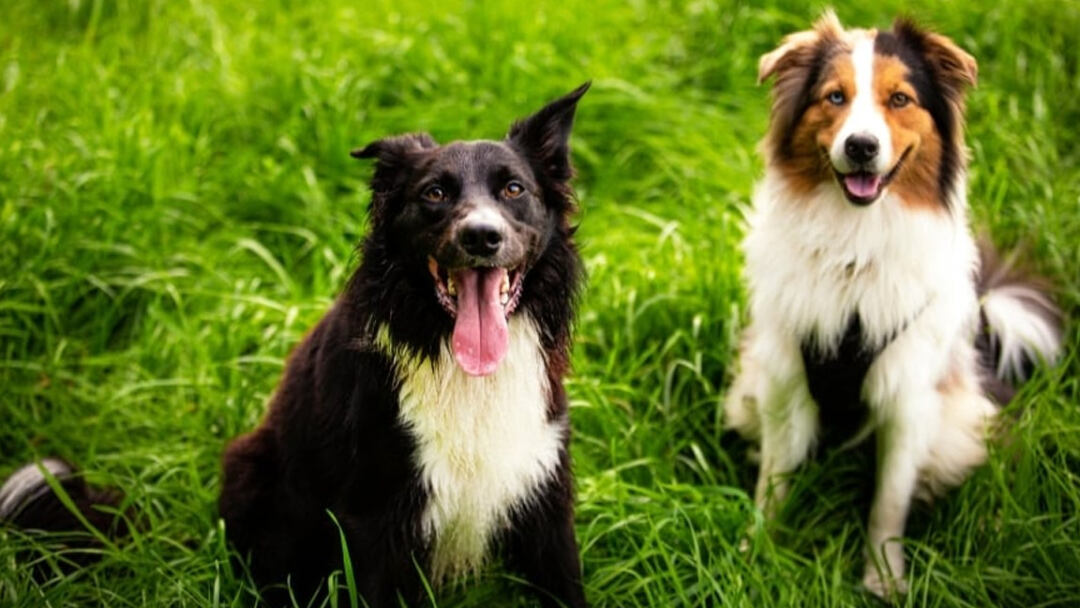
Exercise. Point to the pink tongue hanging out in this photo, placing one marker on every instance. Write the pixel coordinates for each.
(862, 185)
(480, 333)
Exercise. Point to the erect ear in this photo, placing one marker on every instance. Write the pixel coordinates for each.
(545, 136)
(799, 49)
(953, 65)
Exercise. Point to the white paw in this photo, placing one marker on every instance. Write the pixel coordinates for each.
(753, 455)
(883, 585)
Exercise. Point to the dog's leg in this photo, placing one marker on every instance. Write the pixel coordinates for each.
(742, 405)
(903, 444)
(541, 544)
(967, 418)
(788, 428)
(263, 522)
(769, 401)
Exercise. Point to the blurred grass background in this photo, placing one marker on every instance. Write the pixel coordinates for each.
(177, 207)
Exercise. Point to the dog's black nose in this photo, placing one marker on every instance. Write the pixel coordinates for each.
(861, 148)
(480, 239)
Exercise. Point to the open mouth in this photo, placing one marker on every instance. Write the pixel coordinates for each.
(864, 187)
(480, 300)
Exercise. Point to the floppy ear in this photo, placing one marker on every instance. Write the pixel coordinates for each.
(951, 60)
(800, 48)
(952, 64)
(391, 155)
(392, 150)
(796, 65)
(545, 136)
(791, 52)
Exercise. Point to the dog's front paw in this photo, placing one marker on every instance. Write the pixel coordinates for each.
(884, 585)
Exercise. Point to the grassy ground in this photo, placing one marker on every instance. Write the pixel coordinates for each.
(177, 206)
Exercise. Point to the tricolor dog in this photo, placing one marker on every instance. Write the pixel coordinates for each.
(871, 314)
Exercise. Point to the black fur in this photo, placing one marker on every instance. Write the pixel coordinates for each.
(937, 91)
(835, 376)
(906, 42)
(332, 440)
(835, 380)
(996, 273)
(824, 52)
(989, 354)
(34, 507)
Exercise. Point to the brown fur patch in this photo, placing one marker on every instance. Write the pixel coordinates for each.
(951, 70)
(915, 141)
(807, 163)
(810, 64)
(798, 65)
(953, 64)
(957, 70)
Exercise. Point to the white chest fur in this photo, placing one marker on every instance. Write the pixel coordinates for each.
(813, 261)
(484, 445)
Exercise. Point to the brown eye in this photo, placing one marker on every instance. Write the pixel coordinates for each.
(513, 190)
(434, 194)
(899, 100)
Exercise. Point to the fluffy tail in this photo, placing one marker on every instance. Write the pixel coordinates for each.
(28, 502)
(1021, 324)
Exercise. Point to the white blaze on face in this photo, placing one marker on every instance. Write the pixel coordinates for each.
(481, 335)
(865, 117)
(488, 215)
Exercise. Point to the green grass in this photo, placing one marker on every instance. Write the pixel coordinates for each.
(177, 207)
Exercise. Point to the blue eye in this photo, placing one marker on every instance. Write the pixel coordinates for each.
(836, 98)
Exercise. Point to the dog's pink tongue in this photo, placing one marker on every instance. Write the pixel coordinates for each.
(863, 185)
(480, 333)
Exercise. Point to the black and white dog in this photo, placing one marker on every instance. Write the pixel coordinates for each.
(426, 410)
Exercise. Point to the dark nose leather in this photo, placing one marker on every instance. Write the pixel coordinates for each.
(861, 148)
(479, 239)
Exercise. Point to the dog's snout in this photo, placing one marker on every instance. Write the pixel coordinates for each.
(861, 148)
(480, 239)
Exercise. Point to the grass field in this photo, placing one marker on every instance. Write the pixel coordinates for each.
(177, 207)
